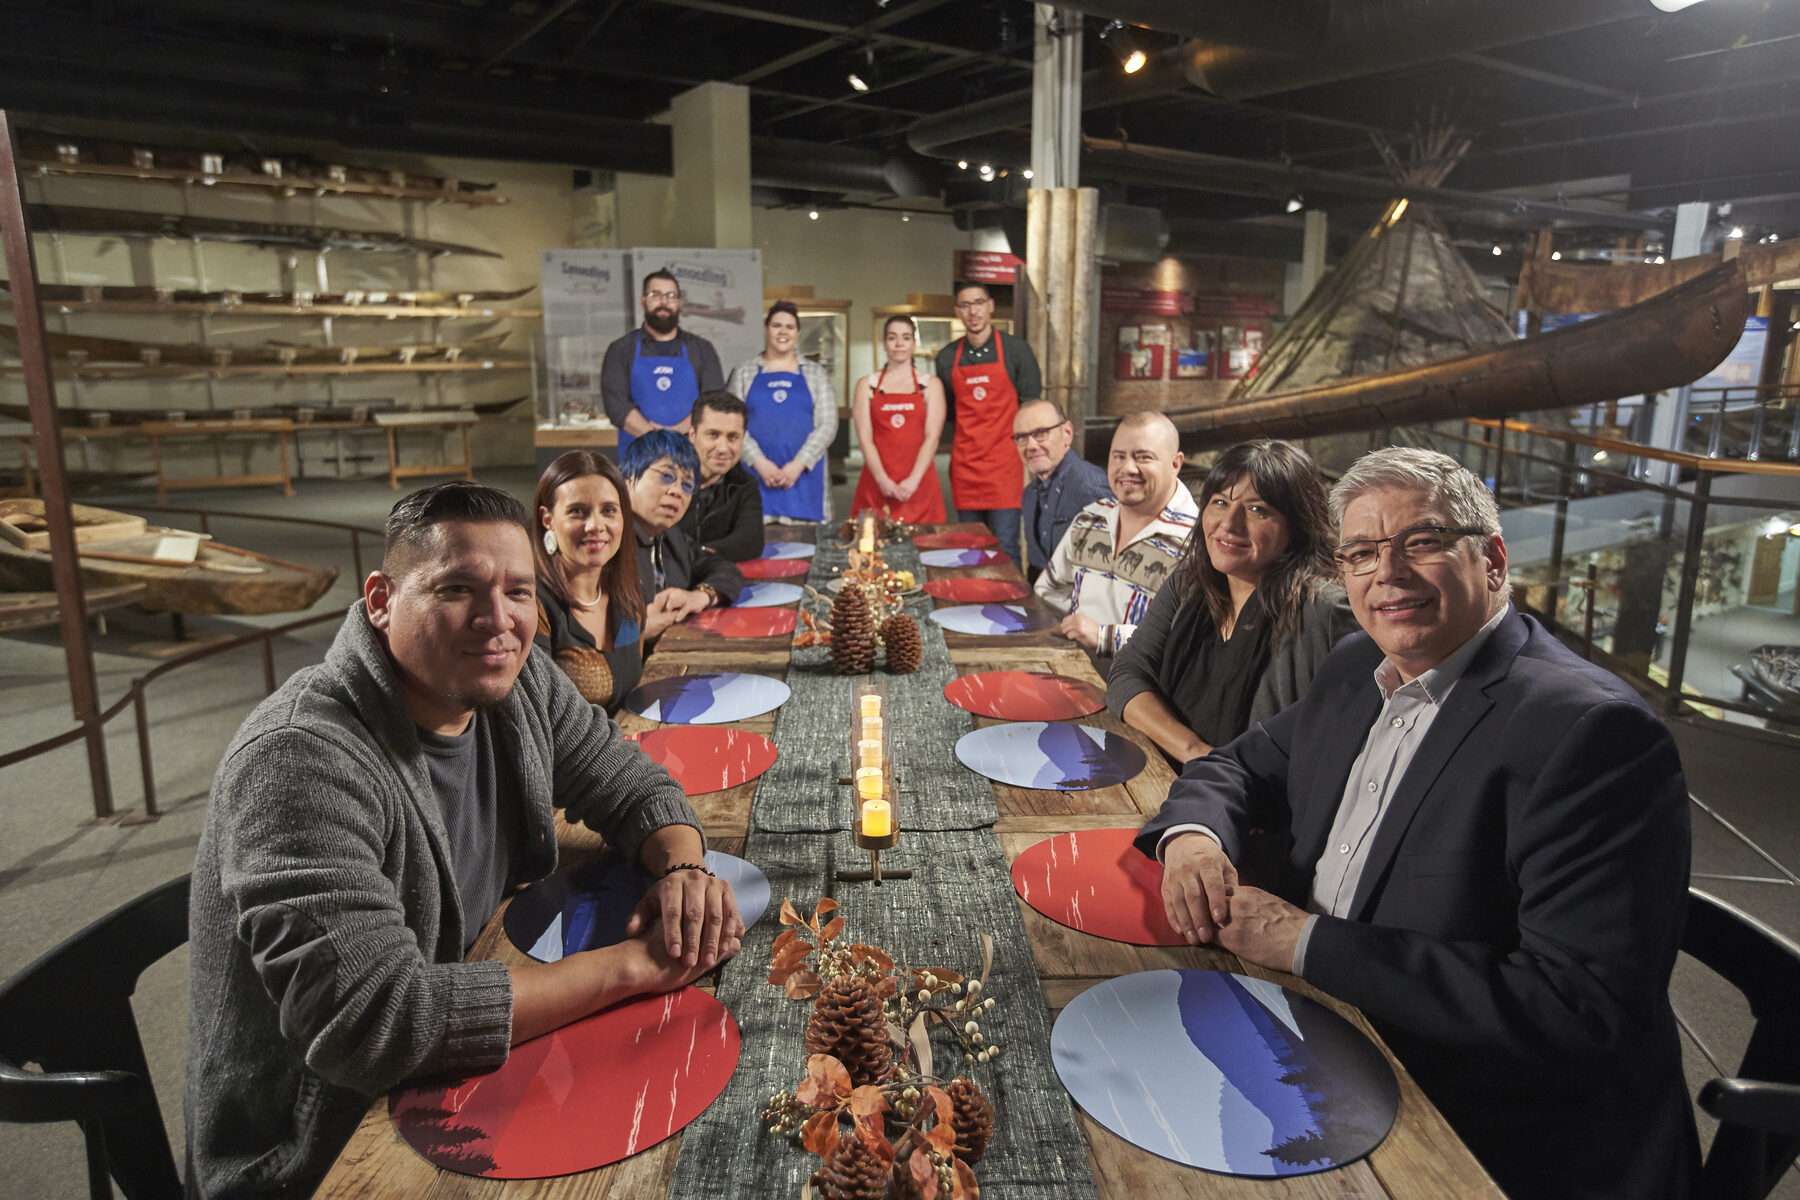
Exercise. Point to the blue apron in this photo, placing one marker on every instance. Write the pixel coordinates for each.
(663, 387)
(781, 419)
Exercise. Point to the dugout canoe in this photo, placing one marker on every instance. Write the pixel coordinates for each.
(1665, 342)
(221, 581)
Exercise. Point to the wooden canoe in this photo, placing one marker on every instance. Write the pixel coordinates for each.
(1667, 341)
(84, 418)
(222, 580)
(366, 303)
(124, 223)
(20, 611)
(1572, 287)
(82, 348)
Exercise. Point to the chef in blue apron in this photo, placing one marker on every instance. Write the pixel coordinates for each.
(793, 419)
(651, 377)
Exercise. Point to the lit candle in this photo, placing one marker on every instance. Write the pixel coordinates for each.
(868, 754)
(871, 704)
(866, 543)
(877, 818)
(868, 783)
(871, 729)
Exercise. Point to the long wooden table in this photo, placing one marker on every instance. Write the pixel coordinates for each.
(1422, 1156)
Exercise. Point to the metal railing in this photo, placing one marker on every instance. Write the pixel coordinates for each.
(1749, 421)
(136, 695)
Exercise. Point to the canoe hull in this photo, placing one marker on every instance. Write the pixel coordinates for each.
(194, 590)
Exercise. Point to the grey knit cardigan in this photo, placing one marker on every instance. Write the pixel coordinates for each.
(325, 924)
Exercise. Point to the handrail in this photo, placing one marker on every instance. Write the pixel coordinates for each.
(135, 694)
(1693, 462)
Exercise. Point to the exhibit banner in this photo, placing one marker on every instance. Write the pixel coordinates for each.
(722, 296)
(588, 303)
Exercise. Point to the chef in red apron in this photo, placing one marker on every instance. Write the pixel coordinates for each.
(899, 415)
(987, 373)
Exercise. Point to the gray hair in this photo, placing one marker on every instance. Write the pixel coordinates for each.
(1465, 499)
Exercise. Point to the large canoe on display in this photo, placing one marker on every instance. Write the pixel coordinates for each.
(82, 348)
(373, 302)
(1572, 287)
(95, 418)
(124, 223)
(119, 550)
(1667, 341)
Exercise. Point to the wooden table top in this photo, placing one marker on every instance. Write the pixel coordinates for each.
(1422, 1156)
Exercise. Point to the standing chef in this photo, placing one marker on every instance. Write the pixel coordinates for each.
(651, 377)
(986, 373)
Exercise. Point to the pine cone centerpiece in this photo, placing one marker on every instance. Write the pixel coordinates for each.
(847, 1023)
(973, 1114)
(853, 1172)
(852, 633)
(905, 644)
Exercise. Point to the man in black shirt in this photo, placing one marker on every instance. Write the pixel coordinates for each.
(651, 377)
(677, 578)
(726, 516)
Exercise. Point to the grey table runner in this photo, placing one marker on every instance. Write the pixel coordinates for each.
(800, 793)
(961, 888)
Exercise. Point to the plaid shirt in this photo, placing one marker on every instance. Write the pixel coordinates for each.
(1086, 576)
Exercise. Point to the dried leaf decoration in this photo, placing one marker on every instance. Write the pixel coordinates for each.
(921, 1044)
(820, 1133)
(827, 1082)
(867, 1107)
(967, 1187)
(924, 1174)
(942, 1137)
(834, 927)
(860, 953)
(803, 985)
(788, 915)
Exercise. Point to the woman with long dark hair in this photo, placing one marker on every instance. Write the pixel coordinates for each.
(1248, 612)
(590, 611)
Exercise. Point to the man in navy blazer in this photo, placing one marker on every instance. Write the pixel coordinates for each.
(1485, 850)
(1061, 484)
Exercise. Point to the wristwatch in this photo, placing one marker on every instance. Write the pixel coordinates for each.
(711, 593)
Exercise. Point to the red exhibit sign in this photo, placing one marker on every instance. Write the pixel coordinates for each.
(1233, 306)
(987, 266)
(1145, 300)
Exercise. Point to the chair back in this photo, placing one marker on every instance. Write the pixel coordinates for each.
(1745, 1163)
(70, 1013)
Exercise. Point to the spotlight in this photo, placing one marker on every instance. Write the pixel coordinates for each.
(812, 215)
(1131, 56)
(856, 82)
(1737, 231)
(1556, 256)
(1295, 203)
(1497, 250)
(962, 164)
(1599, 456)
(986, 172)
(904, 217)
(1027, 173)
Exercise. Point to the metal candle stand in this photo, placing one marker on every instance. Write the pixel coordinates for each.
(890, 791)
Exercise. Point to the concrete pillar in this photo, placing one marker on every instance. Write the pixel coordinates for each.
(711, 193)
(1670, 417)
(1056, 98)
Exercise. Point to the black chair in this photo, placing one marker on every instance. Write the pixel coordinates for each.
(70, 1013)
(1759, 1112)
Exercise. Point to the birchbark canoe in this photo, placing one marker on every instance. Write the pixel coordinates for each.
(124, 223)
(83, 418)
(82, 349)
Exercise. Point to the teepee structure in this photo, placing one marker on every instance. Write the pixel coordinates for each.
(1402, 297)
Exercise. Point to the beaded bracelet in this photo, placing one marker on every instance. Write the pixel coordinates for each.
(700, 867)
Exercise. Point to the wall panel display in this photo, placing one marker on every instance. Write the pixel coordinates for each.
(588, 302)
(722, 295)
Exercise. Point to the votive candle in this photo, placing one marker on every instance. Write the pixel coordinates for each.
(868, 754)
(871, 729)
(866, 543)
(871, 704)
(868, 783)
(877, 818)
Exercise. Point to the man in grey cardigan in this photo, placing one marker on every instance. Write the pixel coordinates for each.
(364, 825)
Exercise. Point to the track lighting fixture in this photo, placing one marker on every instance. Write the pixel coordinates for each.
(1120, 40)
(1295, 203)
(812, 214)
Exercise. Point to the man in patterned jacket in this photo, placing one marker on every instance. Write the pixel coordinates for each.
(1118, 552)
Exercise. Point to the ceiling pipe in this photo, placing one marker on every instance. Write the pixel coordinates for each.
(1239, 176)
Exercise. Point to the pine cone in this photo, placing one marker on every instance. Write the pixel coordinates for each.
(852, 633)
(847, 1023)
(905, 644)
(973, 1114)
(853, 1172)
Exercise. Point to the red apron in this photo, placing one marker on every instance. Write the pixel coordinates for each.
(897, 422)
(985, 468)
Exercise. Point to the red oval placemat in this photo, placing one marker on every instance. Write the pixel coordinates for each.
(964, 590)
(707, 758)
(1024, 695)
(959, 540)
(584, 1096)
(775, 568)
(744, 622)
(1094, 881)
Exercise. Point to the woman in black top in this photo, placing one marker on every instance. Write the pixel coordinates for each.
(1248, 613)
(590, 611)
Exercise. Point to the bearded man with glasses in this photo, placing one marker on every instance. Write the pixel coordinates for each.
(1486, 850)
(1060, 484)
(650, 377)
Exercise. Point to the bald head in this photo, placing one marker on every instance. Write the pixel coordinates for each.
(1145, 462)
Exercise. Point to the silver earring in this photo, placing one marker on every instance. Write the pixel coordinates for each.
(550, 542)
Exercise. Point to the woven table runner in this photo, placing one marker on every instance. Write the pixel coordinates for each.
(961, 888)
(800, 793)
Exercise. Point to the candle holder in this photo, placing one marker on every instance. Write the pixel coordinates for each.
(887, 796)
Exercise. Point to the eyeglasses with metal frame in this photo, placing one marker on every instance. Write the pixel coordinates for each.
(1420, 545)
(1037, 435)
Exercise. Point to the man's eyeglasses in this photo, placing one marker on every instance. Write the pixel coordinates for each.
(1421, 545)
(668, 479)
(662, 297)
(1037, 435)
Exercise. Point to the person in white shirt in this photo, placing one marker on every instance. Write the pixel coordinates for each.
(1120, 549)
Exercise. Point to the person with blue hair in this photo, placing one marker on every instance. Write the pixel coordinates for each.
(677, 578)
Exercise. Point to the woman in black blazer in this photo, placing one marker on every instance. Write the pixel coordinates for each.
(590, 611)
(1247, 614)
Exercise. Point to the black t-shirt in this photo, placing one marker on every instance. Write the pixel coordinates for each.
(481, 839)
(1211, 682)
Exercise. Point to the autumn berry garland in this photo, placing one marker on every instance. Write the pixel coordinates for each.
(912, 1133)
